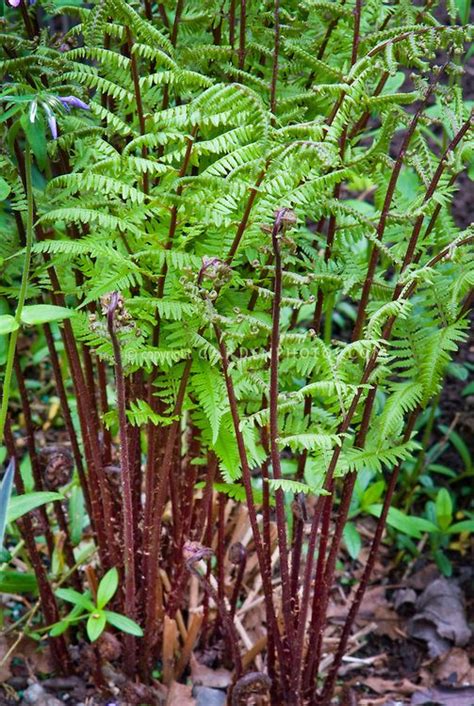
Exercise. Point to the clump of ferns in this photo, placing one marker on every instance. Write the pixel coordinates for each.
(219, 337)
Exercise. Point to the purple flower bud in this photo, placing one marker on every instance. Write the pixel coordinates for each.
(14, 3)
(74, 102)
(53, 126)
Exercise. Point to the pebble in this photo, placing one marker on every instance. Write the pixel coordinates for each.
(35, 695)
(205, 696)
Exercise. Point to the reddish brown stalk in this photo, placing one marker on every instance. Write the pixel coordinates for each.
(342, 429)
(30, 444)
(173, 485)
(104, 408)
(432, 188)
(177, 18)
(35, 467)
(220, 550)
(195, 555)
(356, 37)
(245, 218)
(374, 257)
(276, 49)
(331, 26)
(97, 478)
(90, 381)
(266, 533)
(150, 510)
(30, 29)
(247, 481)
(206, 497)
(361, 436)
(364, 119)
(238, 556)
(106, 538)
(318, 310)
(288, 603)
(243, 27)
(66, 412)
(153, 431)
(217, 29)
(232, 23)
(173, 38)
(317, 628)
(138, 100)
(163, 15)
(312, 655)
(190, 519)
(49, 607)
(148, 11)
(153, 520)
(126, 482)
(174, 213)
(266, 539)
(341, 648)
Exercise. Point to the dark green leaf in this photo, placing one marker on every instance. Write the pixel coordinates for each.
(352, 540)
(35, 134)
(468, 390)
(17, 582)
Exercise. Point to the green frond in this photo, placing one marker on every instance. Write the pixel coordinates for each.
(208, 386)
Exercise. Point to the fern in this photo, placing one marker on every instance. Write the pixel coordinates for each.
(180, 141)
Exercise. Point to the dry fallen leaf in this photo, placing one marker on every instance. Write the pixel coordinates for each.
(440, 619)
(424, 577)
(455, 669)
(39, 657)
(376, 609)
(390, 687)
(442, 696)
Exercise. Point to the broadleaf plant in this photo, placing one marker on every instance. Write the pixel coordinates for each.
(93, 611)
(247, 206)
